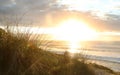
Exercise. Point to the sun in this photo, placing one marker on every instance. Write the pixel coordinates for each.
(74, 31)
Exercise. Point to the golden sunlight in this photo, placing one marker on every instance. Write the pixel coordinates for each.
(74, 47)
(74, 30)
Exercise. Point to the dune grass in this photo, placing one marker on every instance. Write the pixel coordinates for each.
(21, 56)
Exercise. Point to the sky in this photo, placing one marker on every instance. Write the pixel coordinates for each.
(103, 15)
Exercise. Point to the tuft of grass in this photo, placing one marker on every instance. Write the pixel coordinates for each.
(20, 55)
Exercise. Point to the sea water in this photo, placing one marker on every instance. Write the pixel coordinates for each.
(106, 53)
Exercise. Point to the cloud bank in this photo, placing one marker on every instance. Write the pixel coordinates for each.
(101, 14)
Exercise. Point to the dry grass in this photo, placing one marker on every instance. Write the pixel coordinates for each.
(20, 55)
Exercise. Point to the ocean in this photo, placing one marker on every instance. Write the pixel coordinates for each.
(106, 53)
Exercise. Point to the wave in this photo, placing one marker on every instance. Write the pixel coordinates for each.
(109, 59)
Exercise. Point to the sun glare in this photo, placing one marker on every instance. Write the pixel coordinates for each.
(74, 30)
(74, 47)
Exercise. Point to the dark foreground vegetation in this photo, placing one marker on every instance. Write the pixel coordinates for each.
(21, 56)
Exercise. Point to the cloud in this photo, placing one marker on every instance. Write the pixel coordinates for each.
(5, 2)
(101, 14)
(19, 6)
(33, 8)
(113, 22)
(99, 7)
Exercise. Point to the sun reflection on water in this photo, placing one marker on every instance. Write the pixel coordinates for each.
(73, 47)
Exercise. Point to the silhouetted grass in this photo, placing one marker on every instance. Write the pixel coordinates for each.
(19, 55)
